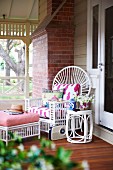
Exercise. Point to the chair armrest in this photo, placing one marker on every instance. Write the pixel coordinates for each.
(32, 102)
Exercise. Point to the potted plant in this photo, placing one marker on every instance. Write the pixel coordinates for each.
(83, 101)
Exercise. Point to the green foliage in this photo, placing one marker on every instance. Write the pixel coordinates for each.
(15, 157)
(2, 65)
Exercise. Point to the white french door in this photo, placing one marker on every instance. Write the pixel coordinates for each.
(106, 64)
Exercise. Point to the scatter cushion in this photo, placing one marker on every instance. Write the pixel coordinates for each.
(51, 96)
(68, 89)
(43, 112)
(13, 120)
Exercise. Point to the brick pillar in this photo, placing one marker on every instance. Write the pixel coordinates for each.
(60, 39)
(60, 50)
(53, 46)
(40, 64)
(52, 5)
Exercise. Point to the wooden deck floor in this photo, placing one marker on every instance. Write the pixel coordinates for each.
(98, 153)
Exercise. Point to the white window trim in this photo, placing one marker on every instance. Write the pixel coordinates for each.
(92, 3)
(94, 73)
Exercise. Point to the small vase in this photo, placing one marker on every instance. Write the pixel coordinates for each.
(84, 106)
(72, 104)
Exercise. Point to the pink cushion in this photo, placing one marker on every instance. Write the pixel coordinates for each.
(69, 90)
(13, 120)
(42, 111)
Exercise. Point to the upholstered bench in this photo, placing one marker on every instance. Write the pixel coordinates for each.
(24, 125)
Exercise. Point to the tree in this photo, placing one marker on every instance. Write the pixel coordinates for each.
(16, 64)
(5, 52)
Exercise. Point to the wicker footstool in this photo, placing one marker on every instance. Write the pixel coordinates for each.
(24, 125)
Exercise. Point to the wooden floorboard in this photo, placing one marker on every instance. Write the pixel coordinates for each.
(98, 153)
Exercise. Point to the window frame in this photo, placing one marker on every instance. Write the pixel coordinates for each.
(91, 4)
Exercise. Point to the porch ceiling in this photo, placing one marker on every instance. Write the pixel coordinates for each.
(19, 9)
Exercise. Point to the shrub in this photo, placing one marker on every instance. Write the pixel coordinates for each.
(15, 157)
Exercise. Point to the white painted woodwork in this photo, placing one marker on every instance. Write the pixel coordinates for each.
(106, 117)
(15, 88)
(80, 38)
(23, 130)
(103, 133)
(101, 117)
(42, 9)
(16, 29)
(19, 9)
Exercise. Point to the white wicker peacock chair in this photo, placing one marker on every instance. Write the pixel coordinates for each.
(57, 111)
(74, 75)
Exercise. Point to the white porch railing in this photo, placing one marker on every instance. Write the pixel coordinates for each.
(12, 86)
(16, 29)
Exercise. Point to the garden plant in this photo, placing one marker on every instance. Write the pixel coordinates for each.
(16, 157)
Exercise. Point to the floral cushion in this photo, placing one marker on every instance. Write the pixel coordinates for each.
(68, 89)
(53, 95)
(43, 112)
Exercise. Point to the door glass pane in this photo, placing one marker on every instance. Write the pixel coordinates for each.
(108, 60)
(95, 37)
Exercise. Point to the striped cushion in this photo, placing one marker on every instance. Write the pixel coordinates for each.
(43, 112)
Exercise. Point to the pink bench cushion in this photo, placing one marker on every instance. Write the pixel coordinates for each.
(42, 111)
(13, 120)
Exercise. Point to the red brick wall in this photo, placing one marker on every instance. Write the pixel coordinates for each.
(61, 39)
(56, 50)
(52, 5)
(60, 51)
(66, 14)
(55, 4)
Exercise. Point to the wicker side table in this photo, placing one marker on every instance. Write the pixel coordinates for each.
(83, 134)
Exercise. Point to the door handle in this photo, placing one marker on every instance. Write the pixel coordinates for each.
(100, 66)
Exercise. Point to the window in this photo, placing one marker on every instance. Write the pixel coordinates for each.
(95, 37)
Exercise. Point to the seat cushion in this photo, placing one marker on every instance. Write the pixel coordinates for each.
(69, 90)
(43, 112)
(13, 120)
